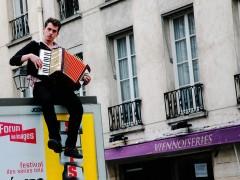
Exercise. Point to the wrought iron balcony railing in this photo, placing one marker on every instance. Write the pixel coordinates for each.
(184, 101)
(237, 87)
(125, 115)
(19, 27)
(68, 8)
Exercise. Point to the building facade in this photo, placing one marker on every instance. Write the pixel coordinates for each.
(166, 74)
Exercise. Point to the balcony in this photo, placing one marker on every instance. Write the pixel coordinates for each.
(125, 115)
(19, 27)
(237, 87)
(184, 102)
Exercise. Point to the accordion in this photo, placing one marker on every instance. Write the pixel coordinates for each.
(60, 60)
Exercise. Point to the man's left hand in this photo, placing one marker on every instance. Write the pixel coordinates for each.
(86, 79)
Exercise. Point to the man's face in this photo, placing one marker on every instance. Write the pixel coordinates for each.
(50, 32)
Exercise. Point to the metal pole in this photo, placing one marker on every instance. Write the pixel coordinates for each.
(236, 153)
(40, 18)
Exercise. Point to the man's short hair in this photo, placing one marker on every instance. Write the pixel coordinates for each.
(54, 21)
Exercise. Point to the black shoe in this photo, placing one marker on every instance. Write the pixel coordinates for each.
(73, 152)
(55, 145)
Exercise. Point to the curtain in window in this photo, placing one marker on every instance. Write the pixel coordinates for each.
(20, 7)
(127, 68)
(123, 69)
(68, 8)
(193, 45)
(134, 67)
(186, 59)
(181, 51)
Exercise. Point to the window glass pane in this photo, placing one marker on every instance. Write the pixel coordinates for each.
(71, 6)
(125, 90)
(183, 74)
(68, 8)
(127, 70)
(181, 51)
(191, 23)
(186, 99)
(193, 47)
(136, 92)
(75, 5)
(196, 70)
(134, 68)
(26, 6)
(121, 48)
(80, 55)
(186, 49)
(179, 30)
(132, 46)
(123, 69)
(17, 8)
(20, 7)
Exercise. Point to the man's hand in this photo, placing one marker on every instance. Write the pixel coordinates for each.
(35, 59)
(86, 79)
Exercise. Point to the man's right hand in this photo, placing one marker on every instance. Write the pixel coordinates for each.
(35, 60)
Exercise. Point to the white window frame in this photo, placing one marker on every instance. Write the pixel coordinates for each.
(131, 77)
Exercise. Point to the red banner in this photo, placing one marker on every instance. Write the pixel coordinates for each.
(17, 134)
(9, 128)
(25, 136)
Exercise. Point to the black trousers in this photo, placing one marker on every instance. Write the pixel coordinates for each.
(48, 94)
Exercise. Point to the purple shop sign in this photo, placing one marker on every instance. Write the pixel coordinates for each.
(190, 141)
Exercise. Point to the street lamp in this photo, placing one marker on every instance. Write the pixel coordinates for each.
(20, 78)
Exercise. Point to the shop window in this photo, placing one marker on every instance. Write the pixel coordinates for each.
(187, 167)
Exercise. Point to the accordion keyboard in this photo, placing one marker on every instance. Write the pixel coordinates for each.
(45, 56)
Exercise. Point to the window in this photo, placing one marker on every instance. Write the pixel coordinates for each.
(82, 90)
(68, 8)
(236, 24)
(20, 7)
(185, 58)
(19, 24)
(125, 58)
(198, 167)
(184, 46)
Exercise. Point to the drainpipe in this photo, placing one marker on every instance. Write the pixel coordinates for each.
(236, 154)
(236, 33)
(40, 18)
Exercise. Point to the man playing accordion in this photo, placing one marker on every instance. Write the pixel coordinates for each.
(56, 88)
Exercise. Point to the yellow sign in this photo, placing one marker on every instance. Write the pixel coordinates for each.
(54, 168)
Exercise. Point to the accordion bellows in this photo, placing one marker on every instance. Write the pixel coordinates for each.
(61, 60)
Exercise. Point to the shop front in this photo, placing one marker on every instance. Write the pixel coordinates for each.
(185, 167)
(188, 157)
